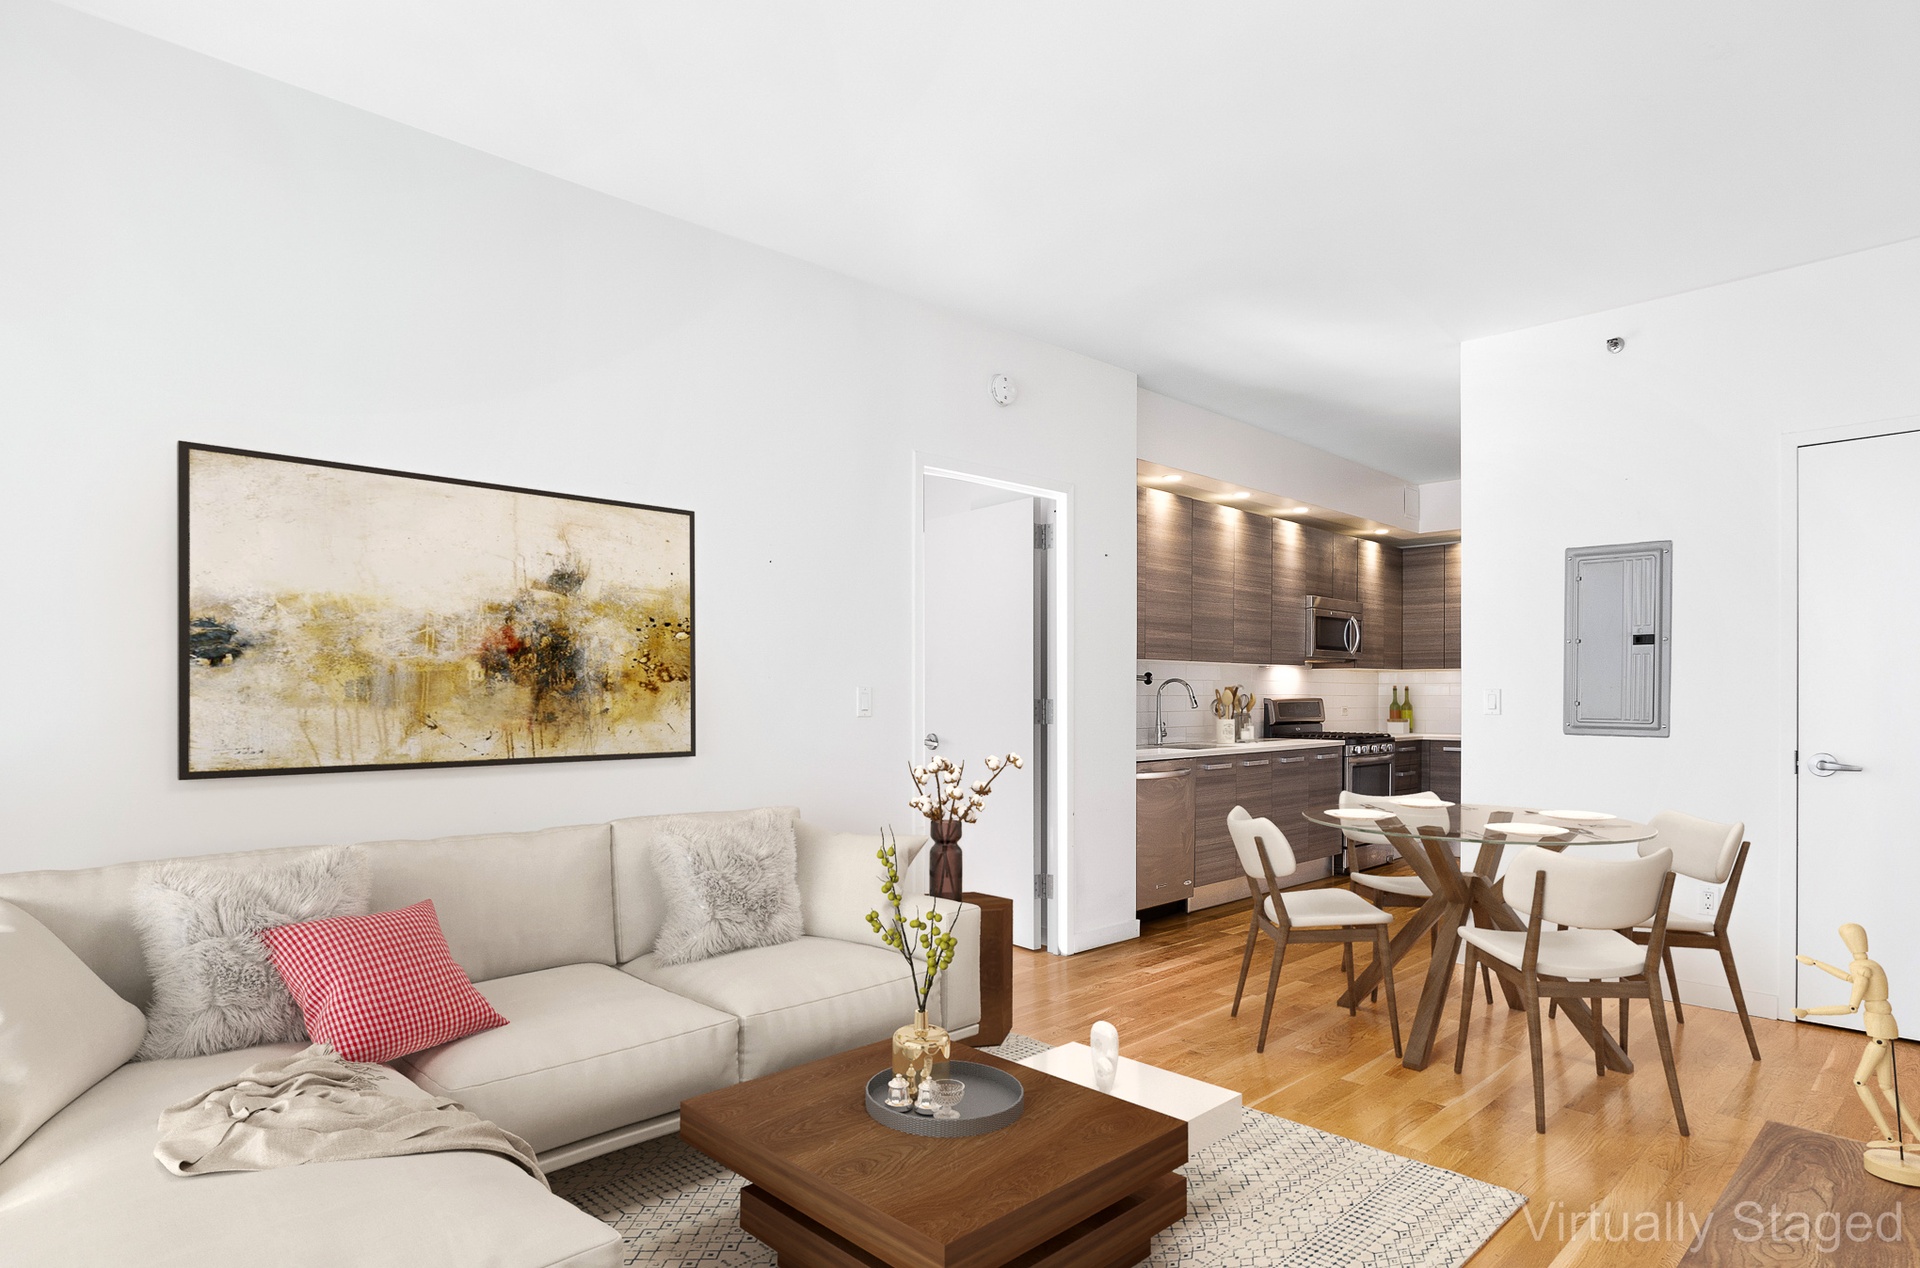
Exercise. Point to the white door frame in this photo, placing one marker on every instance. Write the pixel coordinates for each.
(1787, 865)
(1058, 914)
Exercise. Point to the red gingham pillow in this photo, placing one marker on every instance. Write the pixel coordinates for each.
(378, 987)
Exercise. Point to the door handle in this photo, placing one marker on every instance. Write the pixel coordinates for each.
(1261, 762)
(1352, 638)
(1163, 774)
(932, 741)
(1326, 757)
(1823, 765)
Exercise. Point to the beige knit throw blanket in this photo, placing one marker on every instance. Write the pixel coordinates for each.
(315, 1107)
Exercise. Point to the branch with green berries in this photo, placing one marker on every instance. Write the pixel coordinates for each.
(925, 942)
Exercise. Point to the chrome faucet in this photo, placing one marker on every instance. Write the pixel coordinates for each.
(1160, 727)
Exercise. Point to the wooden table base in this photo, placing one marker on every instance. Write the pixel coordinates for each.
(1457, 894)
(1117, 1237)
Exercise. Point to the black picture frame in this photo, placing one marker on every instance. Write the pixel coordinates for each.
(186, 650)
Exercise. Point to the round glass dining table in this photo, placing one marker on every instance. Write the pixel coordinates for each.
(1428, 835)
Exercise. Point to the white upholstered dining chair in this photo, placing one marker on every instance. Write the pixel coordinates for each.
(1587, 957)
(1304, 915)
(1715, 853)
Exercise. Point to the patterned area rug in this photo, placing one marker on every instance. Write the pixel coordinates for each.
(1274, 1193)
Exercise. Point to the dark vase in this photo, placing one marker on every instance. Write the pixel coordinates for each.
(943, 867)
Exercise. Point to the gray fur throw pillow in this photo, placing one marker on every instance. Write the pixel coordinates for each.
(729, 884)
(214, 986)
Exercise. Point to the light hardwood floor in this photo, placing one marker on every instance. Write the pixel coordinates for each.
(1610, 1142)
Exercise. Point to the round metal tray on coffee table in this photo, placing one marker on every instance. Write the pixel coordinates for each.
(994, 1099)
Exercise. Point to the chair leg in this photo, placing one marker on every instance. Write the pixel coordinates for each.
(1673, 985)
(1553, 1009)
(1623, 1022)
(1739, 999)
(1599, 1034)
(1666, 1054)
(1486, 980)
(1346, 962)
(1273, 980)
(1539, 1062)
(1383, 956)
(1466, 1010)
(1246, 961)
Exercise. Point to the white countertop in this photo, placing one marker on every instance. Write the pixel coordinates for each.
(1223, 750)
(1427, 735)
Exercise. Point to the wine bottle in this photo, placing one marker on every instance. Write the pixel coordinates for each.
(1406, 710)
(1393, 710)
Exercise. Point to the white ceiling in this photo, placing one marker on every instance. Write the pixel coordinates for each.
(1290, 212)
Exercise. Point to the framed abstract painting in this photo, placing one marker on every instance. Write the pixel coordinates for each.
(344, 618)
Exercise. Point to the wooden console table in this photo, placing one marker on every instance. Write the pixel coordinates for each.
(996, 967)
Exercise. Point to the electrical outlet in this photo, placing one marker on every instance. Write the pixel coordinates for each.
(1709, 901)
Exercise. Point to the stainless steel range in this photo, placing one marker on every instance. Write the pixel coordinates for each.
(1368, 768)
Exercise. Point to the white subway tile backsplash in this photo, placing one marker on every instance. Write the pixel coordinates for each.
(1356, 699)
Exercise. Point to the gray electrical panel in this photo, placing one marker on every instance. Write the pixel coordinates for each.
(1619, 639)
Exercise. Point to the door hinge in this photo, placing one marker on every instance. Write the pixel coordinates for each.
(1043, 886)
(1043, 537)
(1043, 712)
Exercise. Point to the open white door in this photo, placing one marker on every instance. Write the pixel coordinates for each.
(980, 685)
(1859, 862)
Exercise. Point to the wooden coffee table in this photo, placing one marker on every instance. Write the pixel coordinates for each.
(1083, 1179)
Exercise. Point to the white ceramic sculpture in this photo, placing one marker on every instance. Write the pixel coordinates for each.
(1105, 1042)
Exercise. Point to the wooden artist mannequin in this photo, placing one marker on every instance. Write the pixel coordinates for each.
(1869, 999)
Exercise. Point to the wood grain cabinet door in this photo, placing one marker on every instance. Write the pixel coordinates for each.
(1442, 759)
(1380, 605)
(1213, 548)
(1163, 797)
(1252, 590)
(1324, 779)
(1423, 607)
(1164, 603)
(1408, 776)
(1216, 791)
(1289, 798)
(1450, 634)
(1292, 566)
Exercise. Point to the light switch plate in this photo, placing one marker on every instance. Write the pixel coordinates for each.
(1490, 700)
(863, 702)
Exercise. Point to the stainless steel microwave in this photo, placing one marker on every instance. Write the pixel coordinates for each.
(1333, 631)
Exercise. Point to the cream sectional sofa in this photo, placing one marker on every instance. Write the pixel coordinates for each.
(556, 928)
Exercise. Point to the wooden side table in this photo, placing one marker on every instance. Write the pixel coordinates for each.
(996, 967)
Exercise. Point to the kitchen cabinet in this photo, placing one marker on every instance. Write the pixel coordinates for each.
(1289, 593)
(1214, 531)
(1163, 806)
(1164, 573)
(1216, 792)
(1333, 564)
(1409, 773)
(1441, 760)
(1324, 780)
(1288, 794)
(1380, 605)
(1430, 608)
(1252, 589)
(1450, 633)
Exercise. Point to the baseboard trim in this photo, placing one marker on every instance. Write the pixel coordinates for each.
(1105, 935)
(1717, 995)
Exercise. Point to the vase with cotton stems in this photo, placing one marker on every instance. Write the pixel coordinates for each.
(943, 795)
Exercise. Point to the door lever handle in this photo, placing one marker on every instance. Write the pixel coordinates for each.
(1824, 764)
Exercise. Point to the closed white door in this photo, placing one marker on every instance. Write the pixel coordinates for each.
(980, 685)
(1859, 639)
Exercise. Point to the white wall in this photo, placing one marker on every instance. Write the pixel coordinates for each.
(1189, 438)
(1682, 436)
(191, 251)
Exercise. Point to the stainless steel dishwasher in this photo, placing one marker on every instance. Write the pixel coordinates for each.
(1162, 833)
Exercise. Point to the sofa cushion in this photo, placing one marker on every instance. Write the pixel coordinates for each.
(795, 1002)
(61, 1028)
(729, 884)
(509, 903)
(381, 986)
(91, 910)
(199, 920)
(589, 1049)
(840, 875)
(86, 1190)
(640, 907)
